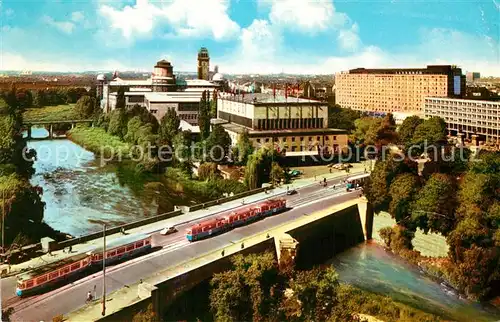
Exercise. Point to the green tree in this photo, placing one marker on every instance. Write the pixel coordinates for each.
(342, 118)
(218, 144)
(244, 148)
(208, 171)
(213, 106)
(120, 98)
(401, 193)
(258, 168)
(39, 99)
(431, 131)
(315, 291)
(147, 315)
(86, 107)
(118, 123)
(248, 291)
(365, 130)
(277, 173)
(381, 178)
(204, 115)
(434, 207)
(182, 145)
(169, 126)
(133, 127)
(407, 129)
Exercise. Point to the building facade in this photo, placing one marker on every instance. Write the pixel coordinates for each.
(472, 76)
(397, 90)
(203, 64)
(186, 106)
(467, 118)
(295, 126)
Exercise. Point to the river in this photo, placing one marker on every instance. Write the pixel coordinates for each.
(80, 195)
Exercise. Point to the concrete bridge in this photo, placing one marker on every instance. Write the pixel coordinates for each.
(309, 240)
(50, 126)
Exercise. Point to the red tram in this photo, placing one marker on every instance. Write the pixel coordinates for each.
(59, 271)
(239, 217)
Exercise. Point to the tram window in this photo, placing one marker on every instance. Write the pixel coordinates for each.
(113, 253)
(147, 241)
(41, 280)
(130, 247)
(75, 266)
(29, 283)
(53, 275)
(65, 269)
(139, 244)
(20, 285)
(121, 250)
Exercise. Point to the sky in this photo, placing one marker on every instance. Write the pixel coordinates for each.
(249, 36)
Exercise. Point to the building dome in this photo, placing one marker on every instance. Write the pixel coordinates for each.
(101, 77)
(218, 77)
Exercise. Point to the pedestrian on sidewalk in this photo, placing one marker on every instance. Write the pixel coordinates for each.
(70, 249)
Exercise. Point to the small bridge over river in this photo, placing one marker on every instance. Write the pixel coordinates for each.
(49, 125)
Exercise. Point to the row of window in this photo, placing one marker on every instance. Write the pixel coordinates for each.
(289, 123)
(293, 139)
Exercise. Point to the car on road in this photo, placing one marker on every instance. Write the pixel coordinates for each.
(295, 173)
(291, 192)
(168, 230)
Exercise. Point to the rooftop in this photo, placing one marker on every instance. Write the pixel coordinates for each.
(268, 98)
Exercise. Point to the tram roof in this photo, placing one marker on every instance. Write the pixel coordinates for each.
(50, 267)
(120, 241)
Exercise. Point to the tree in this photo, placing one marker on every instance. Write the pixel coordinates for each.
(147, 315)
(213, 106)
(133, 127)
(218, 144)
(315, 291)
(365, 128)
(182, 145)
(407, 129)
(258, 168)
(120, 98)
(342, 118)
(248, 291)
(39, 99)
(382, 176)
(431, 131)
(277, 173)
(204, 115)
(401, 193)
(208, 171)
(118, 123)
(434, 207)
(169, 126)
(244, 148)
(86, 107)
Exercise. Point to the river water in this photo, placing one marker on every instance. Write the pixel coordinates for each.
(80, 195)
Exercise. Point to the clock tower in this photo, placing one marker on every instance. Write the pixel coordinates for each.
(203, 63)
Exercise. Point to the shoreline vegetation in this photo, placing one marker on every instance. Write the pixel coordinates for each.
(98, 141)
(257, 288)
(51, 113)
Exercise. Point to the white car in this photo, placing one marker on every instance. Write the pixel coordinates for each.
(168, 230)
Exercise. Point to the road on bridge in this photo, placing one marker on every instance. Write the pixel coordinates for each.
(174, 249)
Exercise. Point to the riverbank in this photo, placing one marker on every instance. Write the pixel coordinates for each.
(50, 113)
(100, 142)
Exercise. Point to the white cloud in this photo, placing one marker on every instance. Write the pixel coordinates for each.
(64, 26)
(306, 15)
(349, 38)
(77, 16)
(188, 18)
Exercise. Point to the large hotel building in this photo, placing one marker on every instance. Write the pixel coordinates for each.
(397, 90)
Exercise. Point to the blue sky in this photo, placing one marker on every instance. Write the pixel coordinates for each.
(243, 36)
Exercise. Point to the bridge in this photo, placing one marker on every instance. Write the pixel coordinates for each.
(50, 126)
(331, 215)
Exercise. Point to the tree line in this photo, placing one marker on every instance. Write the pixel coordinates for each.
(453, 194)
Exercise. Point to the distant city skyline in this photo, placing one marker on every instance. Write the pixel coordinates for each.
(249, 37)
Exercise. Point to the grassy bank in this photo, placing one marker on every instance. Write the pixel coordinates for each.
(51, 113)
(100, 142)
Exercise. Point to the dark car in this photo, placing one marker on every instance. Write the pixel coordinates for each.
(291, 192)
